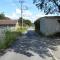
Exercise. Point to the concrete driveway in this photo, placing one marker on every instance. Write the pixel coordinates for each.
(30, 47)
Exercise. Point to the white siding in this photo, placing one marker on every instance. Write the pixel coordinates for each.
(49, 26)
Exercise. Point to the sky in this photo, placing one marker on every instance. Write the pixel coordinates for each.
(11, 8)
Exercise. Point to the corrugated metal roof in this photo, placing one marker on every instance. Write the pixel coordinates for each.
(49, 17)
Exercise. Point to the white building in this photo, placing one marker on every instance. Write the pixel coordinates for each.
(48, 25)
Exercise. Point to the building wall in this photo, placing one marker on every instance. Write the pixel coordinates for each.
(3, 29)
(37, 26)
(49, 26)
(2, 35)
(8, 27)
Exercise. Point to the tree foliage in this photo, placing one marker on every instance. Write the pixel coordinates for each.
(28, 22)
(25, 21)
(2, 16)
(20, 20)
(49, 6)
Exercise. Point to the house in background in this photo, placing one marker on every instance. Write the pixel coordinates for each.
(9, 24)
(48, 25)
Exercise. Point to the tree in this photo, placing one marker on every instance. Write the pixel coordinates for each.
(25, 22)
(2, 16)
(28, 22)
(49, 6)
(20, 20)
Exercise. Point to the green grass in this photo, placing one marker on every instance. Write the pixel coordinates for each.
(10, 37)
(21, 29)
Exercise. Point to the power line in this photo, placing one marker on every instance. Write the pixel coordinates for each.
(21, 3)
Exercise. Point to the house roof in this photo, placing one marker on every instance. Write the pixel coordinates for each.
(8, 22)
(48, 17)
(51, 17)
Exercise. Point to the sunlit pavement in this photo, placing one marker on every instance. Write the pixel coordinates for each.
(17, 56)
(57, 52)
(31, 47)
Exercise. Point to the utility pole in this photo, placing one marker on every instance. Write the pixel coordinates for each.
(21, 7)
(21, 2)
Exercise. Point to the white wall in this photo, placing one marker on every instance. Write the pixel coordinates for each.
(2, 35)
(2, 32)
(49, 26)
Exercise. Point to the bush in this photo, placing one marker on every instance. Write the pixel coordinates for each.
(21, 29)
(10, 37)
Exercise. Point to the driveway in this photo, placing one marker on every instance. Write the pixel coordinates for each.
(31, 46)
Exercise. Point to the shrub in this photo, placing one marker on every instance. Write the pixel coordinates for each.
(21, 29)
(10, 37)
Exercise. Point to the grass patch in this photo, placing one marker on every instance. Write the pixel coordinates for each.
(10, 37)
(21, 29)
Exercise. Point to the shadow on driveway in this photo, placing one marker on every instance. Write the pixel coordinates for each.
(33, 42)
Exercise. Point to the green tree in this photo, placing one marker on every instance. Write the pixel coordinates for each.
(20, 21)
(28, 22)
(25, 22)
(49, 6)
(2, 16)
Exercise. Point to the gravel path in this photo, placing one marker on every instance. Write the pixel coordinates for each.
(29, 47)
